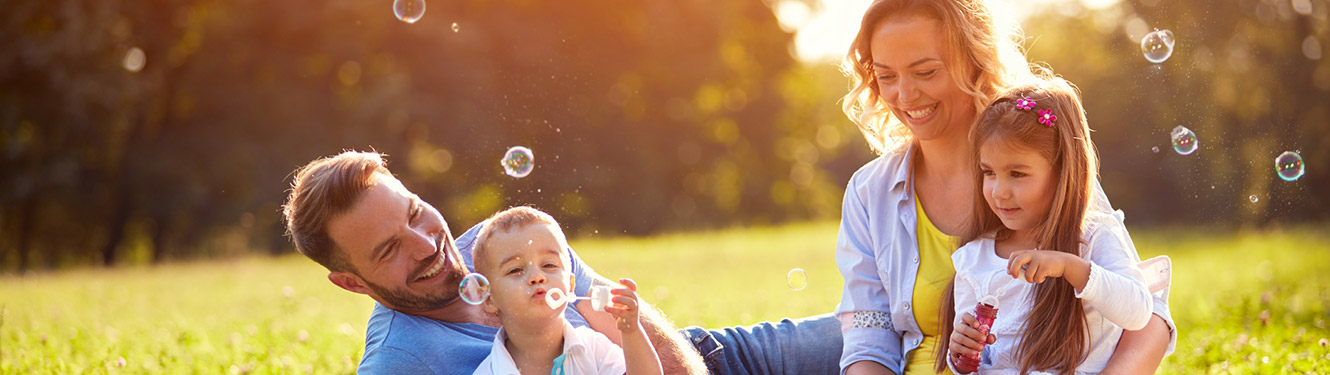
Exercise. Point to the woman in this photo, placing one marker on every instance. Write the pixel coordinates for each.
(923, 69)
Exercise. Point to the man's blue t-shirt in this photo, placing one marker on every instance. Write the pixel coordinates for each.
(400, 343)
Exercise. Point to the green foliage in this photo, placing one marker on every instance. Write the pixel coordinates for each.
(643, 116)
(1254, 302)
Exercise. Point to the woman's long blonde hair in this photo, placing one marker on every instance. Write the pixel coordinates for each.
(1055, 335)
(982, 54)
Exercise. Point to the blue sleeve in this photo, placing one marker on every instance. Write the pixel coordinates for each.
(583, 275)
(390, 360)
(864, 294)
(465, 242)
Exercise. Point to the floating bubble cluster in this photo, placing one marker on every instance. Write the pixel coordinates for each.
(409, 11)
(474, 289)
(1184, 140)
(1157, 46)
(1289, 166)
(518, 161)
(796, 279)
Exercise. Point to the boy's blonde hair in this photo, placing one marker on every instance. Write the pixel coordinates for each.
(511, 219)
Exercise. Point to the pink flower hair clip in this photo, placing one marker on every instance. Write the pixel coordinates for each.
(1046, 117)
(1024, 103)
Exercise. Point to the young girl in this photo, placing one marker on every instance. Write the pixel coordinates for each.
(1063, 279)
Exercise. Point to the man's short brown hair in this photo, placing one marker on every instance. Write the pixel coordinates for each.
(323, 189)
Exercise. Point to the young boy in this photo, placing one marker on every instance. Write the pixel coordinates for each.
(521, 252)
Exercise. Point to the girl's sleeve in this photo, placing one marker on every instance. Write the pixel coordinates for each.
(864, 311)
(1160, 299)
(1116, 287)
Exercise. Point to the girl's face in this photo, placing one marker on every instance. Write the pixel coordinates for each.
(914, 81)
(1018, 183)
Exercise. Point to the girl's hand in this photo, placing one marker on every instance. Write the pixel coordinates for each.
(966, 338)
(624, 306)
(1039, 264)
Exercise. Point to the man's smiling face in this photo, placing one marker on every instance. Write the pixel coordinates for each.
(400, 248)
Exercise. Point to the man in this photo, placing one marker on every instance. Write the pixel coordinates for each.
(348, 213)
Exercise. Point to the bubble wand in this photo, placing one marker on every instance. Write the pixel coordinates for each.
(985, 312)
(599, 297)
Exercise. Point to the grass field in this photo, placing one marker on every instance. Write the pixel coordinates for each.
(1244, 303)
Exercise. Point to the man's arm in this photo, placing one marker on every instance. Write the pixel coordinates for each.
(677, 356)
(1140, 351)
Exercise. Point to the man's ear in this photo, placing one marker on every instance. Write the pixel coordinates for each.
(489, 305)
(348, 281)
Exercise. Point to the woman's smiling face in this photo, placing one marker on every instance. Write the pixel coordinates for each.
(913, 78)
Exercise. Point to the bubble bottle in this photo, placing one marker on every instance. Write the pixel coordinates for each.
(985, 312)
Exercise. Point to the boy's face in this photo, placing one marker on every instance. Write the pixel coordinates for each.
(523, 265)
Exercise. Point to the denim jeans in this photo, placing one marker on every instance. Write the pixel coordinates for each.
(809, 345)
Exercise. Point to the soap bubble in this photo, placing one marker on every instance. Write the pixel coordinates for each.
(1253, 198)
(134, 60)
(409, 11)
(456, 28)
(1289, 166)
(518, 161)
(1154, 149)
(1184, 140)
(796, 279)
(1157, 46)
(475, 288)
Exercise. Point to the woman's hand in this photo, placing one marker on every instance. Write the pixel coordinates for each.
(624, 306)
(966, 338)
(1039, 265)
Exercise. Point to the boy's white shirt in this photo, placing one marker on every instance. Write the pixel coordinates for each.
(1115, 297)
(585, 351)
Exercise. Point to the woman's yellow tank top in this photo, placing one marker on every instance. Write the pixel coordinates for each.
(935, 270)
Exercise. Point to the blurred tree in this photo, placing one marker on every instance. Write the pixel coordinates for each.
(1239, 77)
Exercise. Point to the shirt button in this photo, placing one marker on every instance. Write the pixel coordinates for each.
(916, 259)
(907, 305)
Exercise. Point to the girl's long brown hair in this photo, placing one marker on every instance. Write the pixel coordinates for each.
(1056, 335)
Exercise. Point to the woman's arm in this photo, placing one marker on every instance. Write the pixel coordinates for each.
(1140, 351)
(871, 343)
(868, 368)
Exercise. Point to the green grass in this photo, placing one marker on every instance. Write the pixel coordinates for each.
(1245, 303)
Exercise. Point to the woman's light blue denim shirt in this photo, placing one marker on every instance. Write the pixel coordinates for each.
(878, 255)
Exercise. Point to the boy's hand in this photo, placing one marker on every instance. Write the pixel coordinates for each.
(624, 306)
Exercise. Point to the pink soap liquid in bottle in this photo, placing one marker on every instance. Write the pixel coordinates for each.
(985, 313)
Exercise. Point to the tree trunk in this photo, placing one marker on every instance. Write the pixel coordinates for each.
(116, 228)
(25, 227)
(159, 229)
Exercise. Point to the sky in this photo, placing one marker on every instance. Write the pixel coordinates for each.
(824, 28)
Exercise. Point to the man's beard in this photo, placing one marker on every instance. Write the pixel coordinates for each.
(401, 299)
